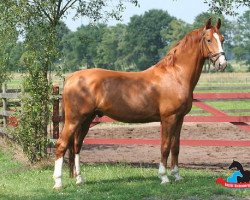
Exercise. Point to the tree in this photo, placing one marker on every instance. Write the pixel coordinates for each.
(228, 7)
(176, 30)
(242, 38)
(202, 18)
(15, 55)
(109, 52)
(143, 37)
(80, 47)
(8, 38)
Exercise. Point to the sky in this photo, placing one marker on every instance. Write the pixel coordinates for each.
(185, 10)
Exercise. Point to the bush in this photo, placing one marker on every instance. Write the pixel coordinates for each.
(229, 68)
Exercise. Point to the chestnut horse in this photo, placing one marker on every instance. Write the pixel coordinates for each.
(162, 93)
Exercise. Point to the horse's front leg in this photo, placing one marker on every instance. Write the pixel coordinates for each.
(79, 137)
(175, 148)
(167, 127)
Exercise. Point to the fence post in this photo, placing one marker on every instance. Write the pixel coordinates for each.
(55, 117)
(4, 101)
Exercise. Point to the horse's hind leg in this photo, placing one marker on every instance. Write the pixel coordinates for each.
(175, 147)
(78, 140)
(61, 147)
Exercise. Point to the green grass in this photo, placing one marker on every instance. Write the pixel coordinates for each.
(120, 181)
(237, 105)
(227, 79)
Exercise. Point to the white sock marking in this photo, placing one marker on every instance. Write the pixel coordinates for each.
(77, 169)
(162, 174)
(164, 179)
(175, 173)
(58, 173)
(77, 164)
(58, 167)
(162, 169)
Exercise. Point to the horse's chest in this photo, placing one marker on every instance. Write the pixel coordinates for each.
(176, 103)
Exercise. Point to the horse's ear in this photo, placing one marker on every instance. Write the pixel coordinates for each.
(218, 24)
(208, 23)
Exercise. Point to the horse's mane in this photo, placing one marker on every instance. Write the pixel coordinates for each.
(180, 46)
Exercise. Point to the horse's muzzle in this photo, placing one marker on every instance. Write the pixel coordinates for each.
(219, 61)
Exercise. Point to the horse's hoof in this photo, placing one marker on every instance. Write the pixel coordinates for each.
(164, 180)
(57, 187)
(79, 180)
(58, 183)
(179, 178)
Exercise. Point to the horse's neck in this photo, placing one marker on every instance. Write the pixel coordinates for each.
(186, 61)
(191, 63)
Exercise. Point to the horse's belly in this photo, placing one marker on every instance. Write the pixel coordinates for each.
(136, 110)
(132, 114)
(130, 118)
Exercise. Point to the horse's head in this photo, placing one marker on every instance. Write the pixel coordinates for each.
(234, 164)
(212, 41)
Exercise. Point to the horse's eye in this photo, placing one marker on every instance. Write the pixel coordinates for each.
(209, 41)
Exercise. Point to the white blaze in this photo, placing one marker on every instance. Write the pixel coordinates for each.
(222, 58)
(218, 42)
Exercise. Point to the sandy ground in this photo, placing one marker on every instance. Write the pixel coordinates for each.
(217, 158)
(192, 157)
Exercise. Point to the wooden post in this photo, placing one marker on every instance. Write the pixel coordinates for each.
(4, 100)
(55, 117)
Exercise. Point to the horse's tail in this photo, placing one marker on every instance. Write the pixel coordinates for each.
(71, 157)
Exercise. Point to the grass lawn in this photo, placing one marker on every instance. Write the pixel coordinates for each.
(121, 181)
